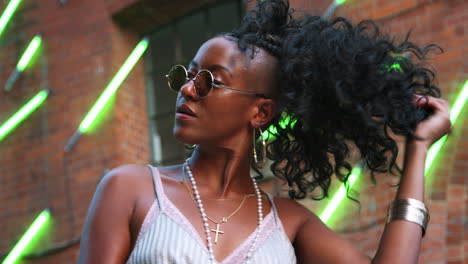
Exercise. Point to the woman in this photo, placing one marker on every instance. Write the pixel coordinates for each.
(340, 85)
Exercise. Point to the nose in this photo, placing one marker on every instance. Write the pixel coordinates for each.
(188, 91)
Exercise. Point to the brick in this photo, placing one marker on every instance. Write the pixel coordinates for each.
(79, 40)
(85, 48)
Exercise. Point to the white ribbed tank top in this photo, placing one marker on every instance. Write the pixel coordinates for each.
(167, 237)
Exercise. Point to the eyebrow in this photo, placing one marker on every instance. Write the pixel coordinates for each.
(213, 67)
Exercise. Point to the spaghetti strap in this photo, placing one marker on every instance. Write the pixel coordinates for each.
(157, 186)
(162, 230)
(273, 207)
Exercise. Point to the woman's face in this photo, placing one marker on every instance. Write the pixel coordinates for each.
(224, 116)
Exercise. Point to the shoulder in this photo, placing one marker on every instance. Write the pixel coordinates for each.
(293, 215)
(105, 241)
(129, 174)
(312, 239)
(302, 217)
(124, 182)
(289, 207)
(118, 194)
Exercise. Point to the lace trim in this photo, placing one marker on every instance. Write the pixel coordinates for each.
(291, 247)
(173, 212)
(238, 255)
(150, 217)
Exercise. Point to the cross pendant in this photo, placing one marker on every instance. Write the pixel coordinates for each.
(217, 232)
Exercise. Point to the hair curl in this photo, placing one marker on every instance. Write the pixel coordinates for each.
(342, 84)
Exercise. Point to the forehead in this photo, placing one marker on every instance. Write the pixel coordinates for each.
(220, 50)
(255, 74)
(224, 51)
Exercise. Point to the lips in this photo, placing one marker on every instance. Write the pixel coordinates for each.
(184, 109)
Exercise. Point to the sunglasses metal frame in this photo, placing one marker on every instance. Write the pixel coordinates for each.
(212, 83)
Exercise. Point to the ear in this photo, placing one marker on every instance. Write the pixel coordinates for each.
(264, 111)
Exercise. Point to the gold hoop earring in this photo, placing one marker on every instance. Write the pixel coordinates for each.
(190, 147)
(262, 164)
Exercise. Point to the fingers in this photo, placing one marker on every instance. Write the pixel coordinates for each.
(419, 100)
(437, 104)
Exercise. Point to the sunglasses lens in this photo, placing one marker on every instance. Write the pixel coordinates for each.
(176, 78)
(203, 83)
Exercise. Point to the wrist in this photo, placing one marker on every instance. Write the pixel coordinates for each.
(419, 145)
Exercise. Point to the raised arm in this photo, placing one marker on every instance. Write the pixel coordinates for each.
(400, 242)
(106, 235)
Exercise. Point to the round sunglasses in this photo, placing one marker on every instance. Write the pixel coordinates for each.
(204, 82)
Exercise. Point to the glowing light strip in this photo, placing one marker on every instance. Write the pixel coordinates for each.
(284, 122)
(24, 61)
(459, 103)
(454, 113)
(332, 7)
(29, 53)
(24, 112)
(110, 90)
(8, 13)
(114, 85)
(32, 231)
(395, 66)
(339, 196)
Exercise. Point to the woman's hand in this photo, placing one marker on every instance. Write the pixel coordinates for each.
(437, 124)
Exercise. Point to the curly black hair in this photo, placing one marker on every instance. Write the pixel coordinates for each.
(343, 86)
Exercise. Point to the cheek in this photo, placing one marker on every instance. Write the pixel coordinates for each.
(221, 116)
(227, 116)
(236, 110)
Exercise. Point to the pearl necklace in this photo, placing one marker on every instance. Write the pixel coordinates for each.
(205, 219)
(224, 219)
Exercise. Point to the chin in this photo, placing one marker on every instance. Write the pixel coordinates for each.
(183, 137)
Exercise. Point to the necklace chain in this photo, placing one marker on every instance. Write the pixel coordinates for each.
(224, 219)
(199, 203)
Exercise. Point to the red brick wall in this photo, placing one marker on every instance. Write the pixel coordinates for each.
(443, 23)
(83, 49)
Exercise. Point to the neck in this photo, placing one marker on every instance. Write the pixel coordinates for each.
(222, 172)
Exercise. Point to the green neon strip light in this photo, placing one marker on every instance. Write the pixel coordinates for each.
(454, 114)
(332, 7)
(284, 122)
(29, 53)
(395, 66)
(459, 103)
(339, 196)
(432, 153)
(24, 112)
(32, 231)
(113, 85)
(7, 14)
